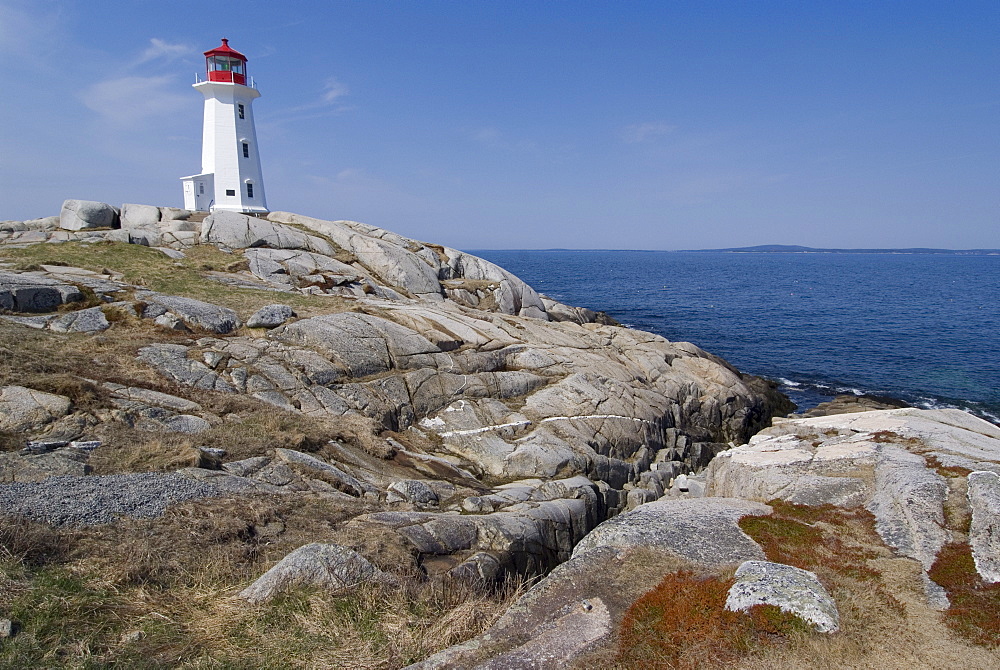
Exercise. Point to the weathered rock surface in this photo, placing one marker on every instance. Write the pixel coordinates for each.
(91, 320)
(702, 531)
(34, 292)
(792, 589)
(324, 566)
(23, 409)
(139, 216)
(83, 214)
(270, 316)
(194, 313)
(507, 425)
(984, 532)
(884, 460)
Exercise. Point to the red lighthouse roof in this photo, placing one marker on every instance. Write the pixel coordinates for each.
(225, 50)
(223, 63)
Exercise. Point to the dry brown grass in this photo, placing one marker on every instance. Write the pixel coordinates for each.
(77, 594)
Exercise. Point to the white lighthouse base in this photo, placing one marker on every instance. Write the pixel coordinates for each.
(199, 192)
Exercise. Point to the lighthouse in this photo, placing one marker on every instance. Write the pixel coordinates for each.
(230, 176)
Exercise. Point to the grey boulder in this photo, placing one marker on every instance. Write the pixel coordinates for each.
(90, 320)
(84, 214)
(328, 566)
(138, 216)
(792, 589)
(411, 490)
(270, 316)
(194, 313)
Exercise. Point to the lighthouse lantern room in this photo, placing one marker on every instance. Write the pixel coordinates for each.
(230, 176)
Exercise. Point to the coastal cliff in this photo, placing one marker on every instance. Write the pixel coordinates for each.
(289, 406)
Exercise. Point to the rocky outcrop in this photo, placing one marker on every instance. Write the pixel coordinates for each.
(503, 427)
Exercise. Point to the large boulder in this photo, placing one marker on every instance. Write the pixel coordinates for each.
(270, 316)
(85, 214)
(139, 216)
(326, 566)
(792, 589)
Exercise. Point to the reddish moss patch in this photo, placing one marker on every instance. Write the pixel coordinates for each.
(946, 470)
(683, 623)
(812, 537)
(975, 605)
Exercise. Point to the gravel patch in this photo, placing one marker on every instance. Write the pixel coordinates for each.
(92, 500)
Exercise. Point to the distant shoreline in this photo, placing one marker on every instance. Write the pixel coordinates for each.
(771, 249)
(793, 249)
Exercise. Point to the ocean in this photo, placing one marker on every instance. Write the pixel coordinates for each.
(921, 328)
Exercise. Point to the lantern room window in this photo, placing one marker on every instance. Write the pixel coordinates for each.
(226, 64)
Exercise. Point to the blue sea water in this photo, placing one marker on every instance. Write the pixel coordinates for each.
(921, 328)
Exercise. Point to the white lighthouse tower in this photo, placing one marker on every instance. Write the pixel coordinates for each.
(230, 176)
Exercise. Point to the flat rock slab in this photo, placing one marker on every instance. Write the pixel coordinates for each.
(91, 320)
(22, 409)
(94, 500)
(984, 533)
(792, 589)
(326, 566)
(194, 313)
(33, 292)
(703, 530)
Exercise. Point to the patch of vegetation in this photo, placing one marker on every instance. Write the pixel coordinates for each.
(161, 592)
(838, 544)
(817, 538)
(975, 605)
(150, 268)
(945, 470)
(683, 623)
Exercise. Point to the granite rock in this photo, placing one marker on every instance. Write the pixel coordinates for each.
(792, 589)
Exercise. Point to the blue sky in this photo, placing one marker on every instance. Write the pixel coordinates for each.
(644, 125)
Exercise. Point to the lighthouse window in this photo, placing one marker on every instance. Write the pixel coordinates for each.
(249, 190)
(241, 112)
(246, 150)
(230, 191)
(201, 188)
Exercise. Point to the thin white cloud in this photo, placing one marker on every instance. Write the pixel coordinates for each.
(333, 89)
(162, 49)
(132, 100)
(645, 132)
